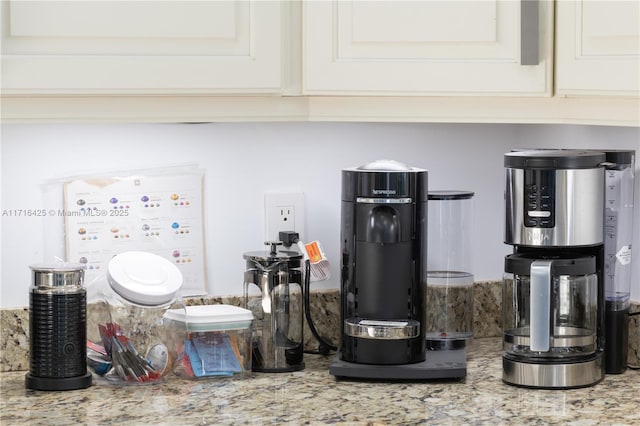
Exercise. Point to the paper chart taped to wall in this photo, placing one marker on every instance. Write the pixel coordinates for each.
(161, 214)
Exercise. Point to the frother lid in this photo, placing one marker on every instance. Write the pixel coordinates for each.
(58, 274)
(554, 159)
(144, 278)
(62, 267)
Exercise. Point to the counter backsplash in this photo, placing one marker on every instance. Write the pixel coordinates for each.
(325, 311)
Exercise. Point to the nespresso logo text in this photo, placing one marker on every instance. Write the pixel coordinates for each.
(384, 191)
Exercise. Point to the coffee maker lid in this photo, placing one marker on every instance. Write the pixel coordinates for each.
(450, 195)
(265, 255)
(386, 166)
(554, 159)
(620, 157)
(272, 255)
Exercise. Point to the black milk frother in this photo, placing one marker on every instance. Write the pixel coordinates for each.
(58, 329)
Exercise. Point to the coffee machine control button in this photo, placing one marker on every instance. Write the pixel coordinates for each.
(539, 213)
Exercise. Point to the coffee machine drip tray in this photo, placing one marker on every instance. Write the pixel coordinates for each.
(446, 364)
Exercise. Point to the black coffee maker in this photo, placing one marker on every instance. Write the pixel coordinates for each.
(383, 284)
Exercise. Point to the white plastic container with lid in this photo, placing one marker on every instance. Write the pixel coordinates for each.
(217, 342)
(140, 288)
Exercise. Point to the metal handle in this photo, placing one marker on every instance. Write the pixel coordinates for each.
(540, 298)
(529, 32)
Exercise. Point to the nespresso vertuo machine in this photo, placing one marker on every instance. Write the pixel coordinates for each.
(553, 290)
(384, 251)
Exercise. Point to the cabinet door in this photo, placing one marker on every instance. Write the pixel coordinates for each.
(428, 47)
(598, 48)
(141, 47)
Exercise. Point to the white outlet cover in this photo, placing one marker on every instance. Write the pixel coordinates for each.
(277, 206)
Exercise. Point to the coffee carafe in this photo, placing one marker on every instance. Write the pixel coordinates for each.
(553, 289)
(277, 308)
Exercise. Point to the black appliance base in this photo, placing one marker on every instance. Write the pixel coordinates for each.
(58, 383)
(443, 364)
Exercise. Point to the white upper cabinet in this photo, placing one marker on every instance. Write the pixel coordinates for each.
(429, 47)
(489, 61)
(142, 47)
(598, 48)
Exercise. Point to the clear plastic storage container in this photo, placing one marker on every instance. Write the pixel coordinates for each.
(217, 341)
(134, 344)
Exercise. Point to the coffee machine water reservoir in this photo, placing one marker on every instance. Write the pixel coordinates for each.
(618, 230)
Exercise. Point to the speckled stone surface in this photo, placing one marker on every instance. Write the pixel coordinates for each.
(14, 339)
(325, 312)
(487, 307)
(633, 357)
(313, 396)
(14, 325)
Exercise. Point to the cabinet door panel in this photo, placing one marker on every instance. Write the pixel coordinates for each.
(598, 48)
(142, 46)
(421, 47)
(122, 19)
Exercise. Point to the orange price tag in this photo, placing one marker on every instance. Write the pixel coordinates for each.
(314, 252)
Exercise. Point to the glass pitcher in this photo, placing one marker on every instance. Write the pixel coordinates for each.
(550, 306)
(277, 308)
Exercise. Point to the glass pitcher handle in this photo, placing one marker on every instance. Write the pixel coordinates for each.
(540, 299)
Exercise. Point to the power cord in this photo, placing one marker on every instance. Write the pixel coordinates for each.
(289, 238)
(324, 346)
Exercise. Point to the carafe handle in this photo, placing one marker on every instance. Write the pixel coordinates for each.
(540, 299)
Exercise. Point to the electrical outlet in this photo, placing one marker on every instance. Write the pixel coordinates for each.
(283, 212)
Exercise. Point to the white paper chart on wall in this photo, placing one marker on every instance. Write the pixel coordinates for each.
(161, 214)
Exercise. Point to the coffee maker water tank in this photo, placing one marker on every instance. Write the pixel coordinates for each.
(383, 244)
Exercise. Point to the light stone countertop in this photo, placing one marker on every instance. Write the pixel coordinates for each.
(313, 396)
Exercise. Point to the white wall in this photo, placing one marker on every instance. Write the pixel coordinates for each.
(245, 160)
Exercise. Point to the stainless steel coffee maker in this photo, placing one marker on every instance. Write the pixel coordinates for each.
(277, 306)
(553, 289)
